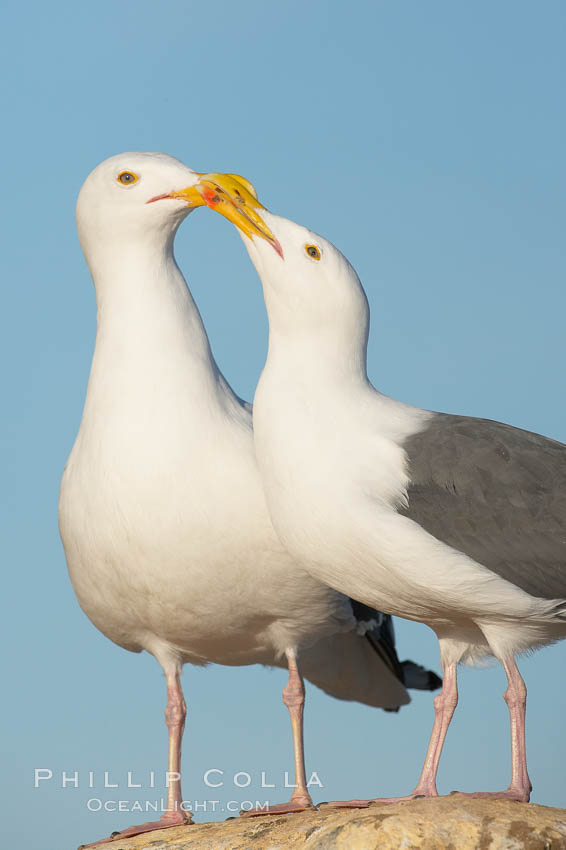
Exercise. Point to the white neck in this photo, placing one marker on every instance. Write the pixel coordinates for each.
(151, 343)
(330, 346)
(319, 357)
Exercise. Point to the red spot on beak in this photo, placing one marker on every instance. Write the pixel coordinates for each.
(210, 196)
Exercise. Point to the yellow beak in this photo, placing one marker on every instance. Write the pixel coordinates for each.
(235, 198)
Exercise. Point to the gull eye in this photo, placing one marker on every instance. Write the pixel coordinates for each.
(127, 178)
(313, 252)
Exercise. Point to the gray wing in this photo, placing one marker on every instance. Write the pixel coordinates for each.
(496, 493)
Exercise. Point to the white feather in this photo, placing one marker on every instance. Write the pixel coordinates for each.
(162, 514)
(330, 451)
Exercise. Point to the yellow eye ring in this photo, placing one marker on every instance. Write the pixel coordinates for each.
(313, 252)
(127, 178)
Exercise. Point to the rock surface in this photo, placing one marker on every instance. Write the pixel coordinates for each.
(444, 823)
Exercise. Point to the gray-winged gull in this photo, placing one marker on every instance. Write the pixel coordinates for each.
(457, 522)
(167, 537)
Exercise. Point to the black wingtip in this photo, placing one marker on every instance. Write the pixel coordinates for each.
(434, 681)
(378, 629)
(419, 678)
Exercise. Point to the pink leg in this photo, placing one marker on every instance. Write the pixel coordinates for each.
(516, 698)
(444, 706)
(294, 699)
(174, 815)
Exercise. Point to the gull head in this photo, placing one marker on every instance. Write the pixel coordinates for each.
(308, 284)
(119, 199)
(139, 199)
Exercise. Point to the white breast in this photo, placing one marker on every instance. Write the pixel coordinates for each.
(162, 512)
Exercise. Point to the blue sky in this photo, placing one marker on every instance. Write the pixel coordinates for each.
(427, 141)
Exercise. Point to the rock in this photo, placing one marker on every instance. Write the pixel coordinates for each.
(443, 823)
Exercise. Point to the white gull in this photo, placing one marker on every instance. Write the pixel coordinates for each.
(457, 522)
(167, 537)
